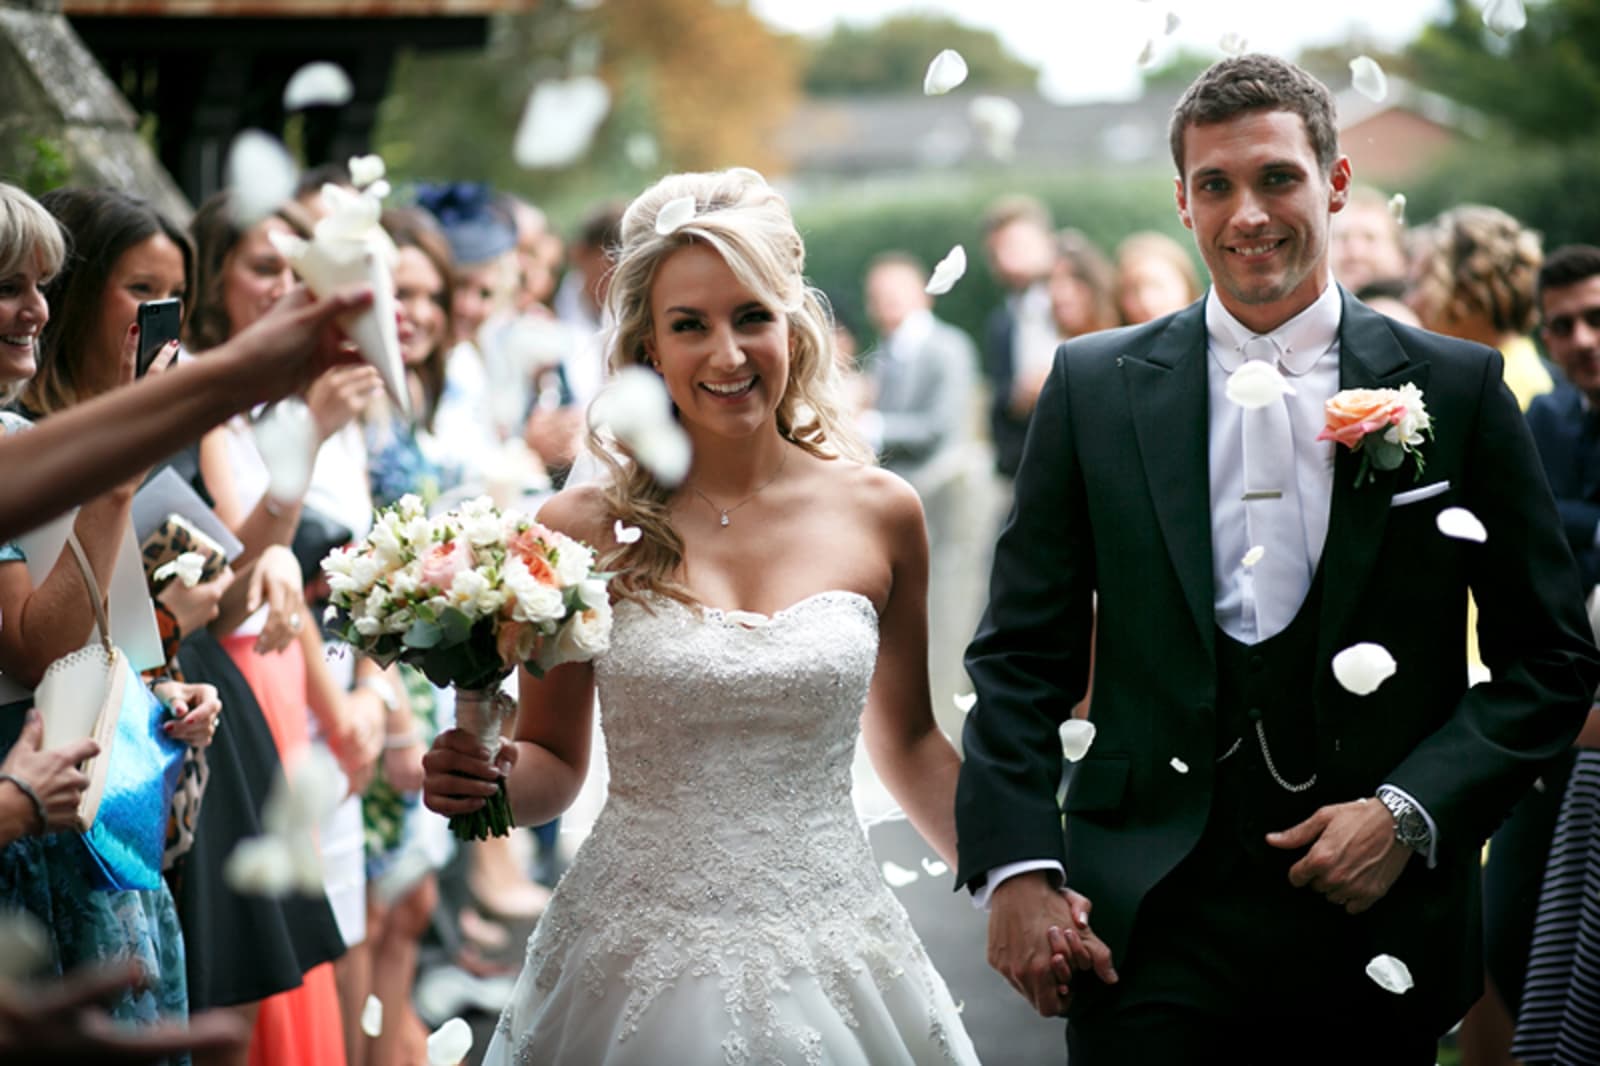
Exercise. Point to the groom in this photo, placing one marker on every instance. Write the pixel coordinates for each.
(1250, 832)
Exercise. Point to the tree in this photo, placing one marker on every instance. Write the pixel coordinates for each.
(1542, 82)
(893, 55)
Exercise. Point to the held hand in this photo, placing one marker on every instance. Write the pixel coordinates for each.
(198, 606)
(276, 581)
(53, 775)
(1022, 911)
(196, 710)
(458, 775)
(1076, 947)
(290, 346)
(341, 394)
(1354, 856)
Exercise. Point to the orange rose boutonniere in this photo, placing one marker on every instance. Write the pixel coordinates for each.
(1382, 425)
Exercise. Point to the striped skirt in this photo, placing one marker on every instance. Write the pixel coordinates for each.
(1560, 1018)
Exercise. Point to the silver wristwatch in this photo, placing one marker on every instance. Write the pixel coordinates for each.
(1410, 827)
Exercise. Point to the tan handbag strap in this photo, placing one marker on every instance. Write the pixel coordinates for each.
(95, 599)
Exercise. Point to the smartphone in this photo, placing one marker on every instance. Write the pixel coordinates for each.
(159, 321)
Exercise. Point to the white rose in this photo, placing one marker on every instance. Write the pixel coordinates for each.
(365, 571)
(410, 506)
(592, 591)
(586, 634)
(480, 529)
(573, 562)
(536, 601)
(385, 541)
(467, 587)
(368, 627)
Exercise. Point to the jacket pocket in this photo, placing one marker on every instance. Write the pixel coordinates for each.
(1098, 783)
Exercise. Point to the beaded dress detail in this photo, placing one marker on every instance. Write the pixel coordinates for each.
(726, 907)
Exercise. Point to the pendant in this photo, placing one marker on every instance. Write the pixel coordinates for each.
(725, 518)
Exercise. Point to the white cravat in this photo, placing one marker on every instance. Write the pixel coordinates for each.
(1272, 510)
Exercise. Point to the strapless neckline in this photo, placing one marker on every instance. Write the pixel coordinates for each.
(756, 620)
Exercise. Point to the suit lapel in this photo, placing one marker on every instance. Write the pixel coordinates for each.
(1370, 357)
(1168, 394)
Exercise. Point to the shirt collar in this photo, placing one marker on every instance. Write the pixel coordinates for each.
(1302, 340)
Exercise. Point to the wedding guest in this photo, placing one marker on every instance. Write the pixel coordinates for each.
(1019, 335)
(40, 790)
(695, 918)
(122, 251)
(1368, 246)
(1155, 277)
(1083, 284)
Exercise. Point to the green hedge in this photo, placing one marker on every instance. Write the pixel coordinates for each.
(845, 226)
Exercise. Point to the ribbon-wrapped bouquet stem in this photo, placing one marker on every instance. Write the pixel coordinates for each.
(466, 597)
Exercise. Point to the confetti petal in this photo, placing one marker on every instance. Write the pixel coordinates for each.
(372, 1017)
(1504, 17)
(898, 876)
(934, 868)
(365, 169)
(1076, 736)
(1173, 22)
(948, 272)
(260, 175)
(1234, 44)
(286, 437)
(1462, 524)
(1397, 208)
(449, 1043)
(636, 410)
(675, 214)
(624, 534)
(260, 866)
(1147, 54)
(997, 121)
(665, 452)
(946, 71)
(559, 122)
(24, 945)
(1253, 556)
(965, 703)
(318, 85)
(1255, 384)
(1179, 765)
(1361, 668)
(642, 151)
(1390, 974)
(1368, 78)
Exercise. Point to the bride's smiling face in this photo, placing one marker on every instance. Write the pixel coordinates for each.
(722, 352)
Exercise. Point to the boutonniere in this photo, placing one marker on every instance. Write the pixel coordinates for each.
(1383, 426)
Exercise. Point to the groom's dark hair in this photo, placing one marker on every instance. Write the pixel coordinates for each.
(1256, 82)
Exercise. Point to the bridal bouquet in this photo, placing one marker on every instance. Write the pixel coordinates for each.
(465, 597)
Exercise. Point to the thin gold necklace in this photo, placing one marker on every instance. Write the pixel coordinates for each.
(724, 512)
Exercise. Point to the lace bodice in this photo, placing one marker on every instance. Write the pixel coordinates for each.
(729, 846)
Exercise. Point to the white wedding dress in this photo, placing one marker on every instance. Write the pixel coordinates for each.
(726, 907)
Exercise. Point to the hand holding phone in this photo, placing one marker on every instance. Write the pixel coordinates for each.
(159, 322)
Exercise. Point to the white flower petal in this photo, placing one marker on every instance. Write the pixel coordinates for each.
(259, 866)
(1504, 17)
(318, 84)
(1147, 54)
(934, 868)
(1234, 44)
(948, 272)
(449, 1043)
(997, 121)
(1390, 974)
(365, 169)
(625, 534)
(260, 175)
(1256, 383)
(1179, 765)
(946, 71)
(24, 945)
(1462, 524)
(372, 1017)
(665, 452)
(560, 121)
(1173, 22)
(642, 151)
(1397, 208)
(966, 702)
(1368, 78)
(1361, 668)
(675, 214)
(1253, 556)
(898, 876)
(286, 437)
(1076, 736)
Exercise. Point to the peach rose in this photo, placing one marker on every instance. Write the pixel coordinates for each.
(529, 546)
(1354, 413)
(443, 562)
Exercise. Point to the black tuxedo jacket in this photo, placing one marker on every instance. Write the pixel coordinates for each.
(1571, 459)
(1112, 498)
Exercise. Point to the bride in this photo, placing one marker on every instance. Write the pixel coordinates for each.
(726, 907)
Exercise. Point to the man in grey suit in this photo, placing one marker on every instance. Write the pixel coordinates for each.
(922, 378)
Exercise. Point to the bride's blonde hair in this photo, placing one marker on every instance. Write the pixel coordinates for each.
(744, 220)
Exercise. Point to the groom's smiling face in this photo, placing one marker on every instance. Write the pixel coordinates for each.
(1260, 208)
